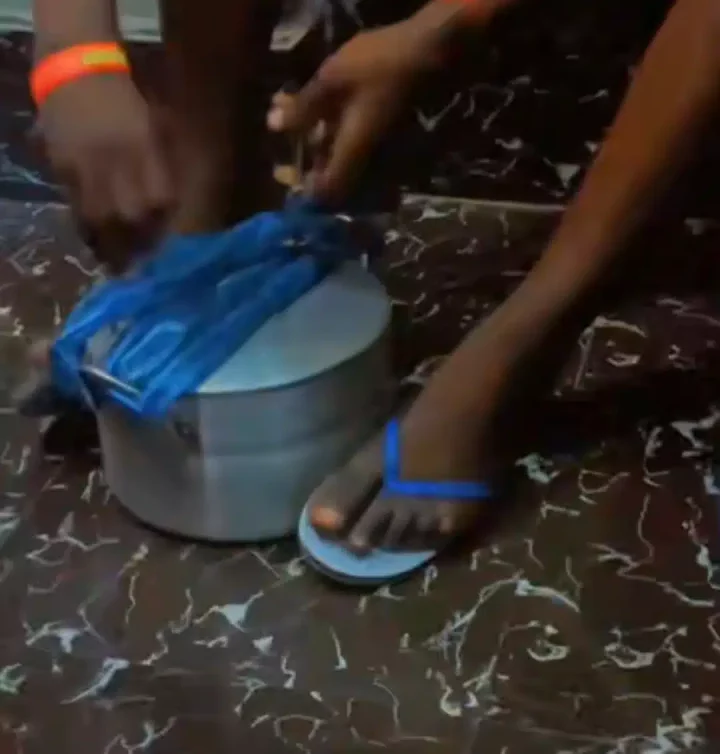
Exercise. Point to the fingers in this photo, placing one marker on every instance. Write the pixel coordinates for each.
(127, 200)
(156, 186)
(303, 110)
(123, 206)
(358, 116)
(364, 119)
(156, 181)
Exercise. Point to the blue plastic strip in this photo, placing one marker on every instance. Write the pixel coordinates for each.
(185, 310)
(394, 485)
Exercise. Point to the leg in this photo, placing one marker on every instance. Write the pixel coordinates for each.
(217, 52)
(446, 437)
(448, 429)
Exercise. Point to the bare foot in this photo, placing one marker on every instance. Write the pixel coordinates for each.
(440, 442)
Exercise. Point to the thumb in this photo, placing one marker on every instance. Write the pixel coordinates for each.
(301, 111)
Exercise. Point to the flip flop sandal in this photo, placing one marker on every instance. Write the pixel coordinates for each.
(380, 566)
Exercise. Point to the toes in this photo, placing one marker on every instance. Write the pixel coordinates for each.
(397, 529)
(338, 502)
(424, 531)
(431, 526)
(445, 523)
(455, 517)
(385, 523)
(324, 517)
(369, 530)
(406, 523)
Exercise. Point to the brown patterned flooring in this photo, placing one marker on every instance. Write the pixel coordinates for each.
(585, 622)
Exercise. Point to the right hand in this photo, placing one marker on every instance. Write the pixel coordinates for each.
(356, 93)
(99, 138)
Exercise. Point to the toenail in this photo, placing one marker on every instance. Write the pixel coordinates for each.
(326, 518)
(358, 544)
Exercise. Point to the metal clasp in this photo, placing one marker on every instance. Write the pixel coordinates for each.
(183, 429)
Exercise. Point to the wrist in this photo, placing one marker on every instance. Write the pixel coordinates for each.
(437, 23)
(48, 43)
(57, 70)
(440, 22)
(449, 16)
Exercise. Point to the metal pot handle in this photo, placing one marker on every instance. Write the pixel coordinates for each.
(183, 429)
(95, 374)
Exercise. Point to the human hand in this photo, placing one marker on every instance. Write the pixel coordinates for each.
(354, 97)
(98, 136)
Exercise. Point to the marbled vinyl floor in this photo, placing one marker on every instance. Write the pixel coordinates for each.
(585, 621)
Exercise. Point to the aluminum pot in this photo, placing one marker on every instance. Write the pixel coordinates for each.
(237, 461)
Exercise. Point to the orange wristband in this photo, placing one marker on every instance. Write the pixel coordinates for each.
(63, 67)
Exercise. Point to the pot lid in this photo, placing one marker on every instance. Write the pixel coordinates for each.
(337, 320)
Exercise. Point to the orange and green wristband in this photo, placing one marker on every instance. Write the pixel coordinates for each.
(63, 67)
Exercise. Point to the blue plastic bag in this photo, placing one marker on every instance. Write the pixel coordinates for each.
(183, 312)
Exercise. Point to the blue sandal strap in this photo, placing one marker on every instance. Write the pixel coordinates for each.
(394, 485)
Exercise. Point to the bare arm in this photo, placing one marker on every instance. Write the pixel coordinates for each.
(671, 97)
(451, 16)
(61, 23)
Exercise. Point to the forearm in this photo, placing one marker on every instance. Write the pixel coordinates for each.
(672, 95)
(448, 17)
(61, 23)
